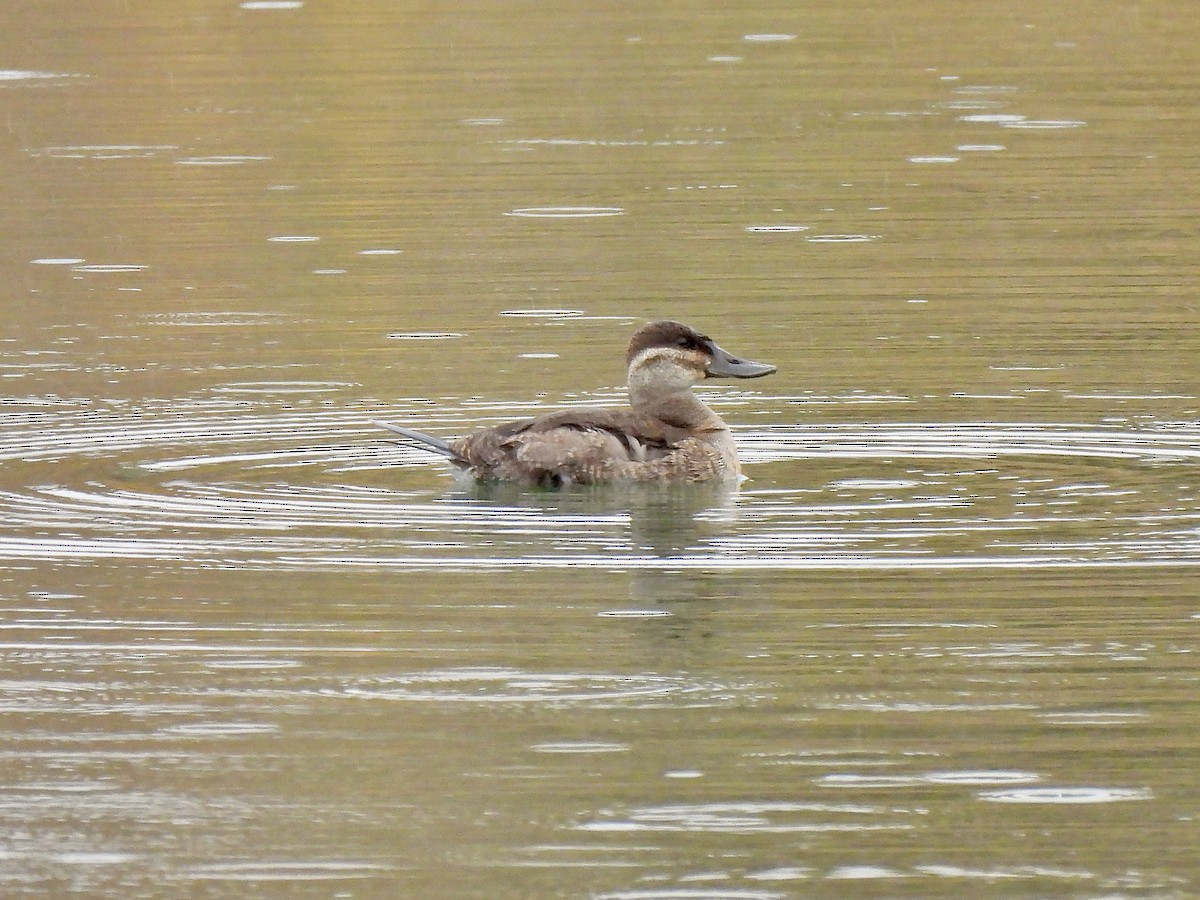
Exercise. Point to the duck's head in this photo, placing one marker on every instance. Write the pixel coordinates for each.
(672, 355)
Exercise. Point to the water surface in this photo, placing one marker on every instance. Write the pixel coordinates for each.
(941, 643)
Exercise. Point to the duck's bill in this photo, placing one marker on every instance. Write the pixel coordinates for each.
(726, 365)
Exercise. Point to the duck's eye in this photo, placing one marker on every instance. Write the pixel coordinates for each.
(685, 342)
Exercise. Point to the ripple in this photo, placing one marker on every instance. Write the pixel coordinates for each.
(580, 747)
(543, 313)
(765, 817)
(982, 776)
(530, 143)
(1094, 718)
(962, 497)
(974, 103)
(56, 261)
(104, 269)
(269, 870)
(282, 387)
(679, 893)
(93, 858)
(293, 239)
(862, 873)
(933, 160)
(869, 782)
(271, 4)
(874, 484)
(986, 89)
(220, 160)
(768, 38)
(701, 187)
(966, 440)
(781, 873)
(424, 335)
(776, 229)
(106, 151)
(59, 787)
(505, 686)
(965, 777)
(993, 118)
(213, 319)
(29, 75)
(566, 212)
(253, 664)
(221, 729)
(1045, 124)
(841, 238)
(1067, 795)
(1002, 872)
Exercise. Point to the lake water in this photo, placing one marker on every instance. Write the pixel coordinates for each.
(942, 643)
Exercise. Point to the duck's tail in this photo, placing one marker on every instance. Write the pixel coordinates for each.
(426, 441)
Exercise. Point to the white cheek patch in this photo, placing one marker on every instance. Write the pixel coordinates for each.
(668, 356)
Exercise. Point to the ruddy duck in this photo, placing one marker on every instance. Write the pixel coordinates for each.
(667, 434)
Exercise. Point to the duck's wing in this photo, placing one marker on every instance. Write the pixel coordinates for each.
(639, 434)
(585, 444)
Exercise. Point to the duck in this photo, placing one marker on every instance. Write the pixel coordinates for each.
(667, 433)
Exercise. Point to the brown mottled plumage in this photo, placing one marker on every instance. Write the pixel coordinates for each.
(667, 434)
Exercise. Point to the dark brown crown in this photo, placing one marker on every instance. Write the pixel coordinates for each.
(666, 333)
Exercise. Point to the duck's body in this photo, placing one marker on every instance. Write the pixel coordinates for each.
(667, 433)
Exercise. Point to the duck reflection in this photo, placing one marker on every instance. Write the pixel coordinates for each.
(666, 528)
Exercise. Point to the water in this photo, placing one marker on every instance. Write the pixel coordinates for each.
(941, 643)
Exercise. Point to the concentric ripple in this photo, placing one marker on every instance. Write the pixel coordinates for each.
(299, 481)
